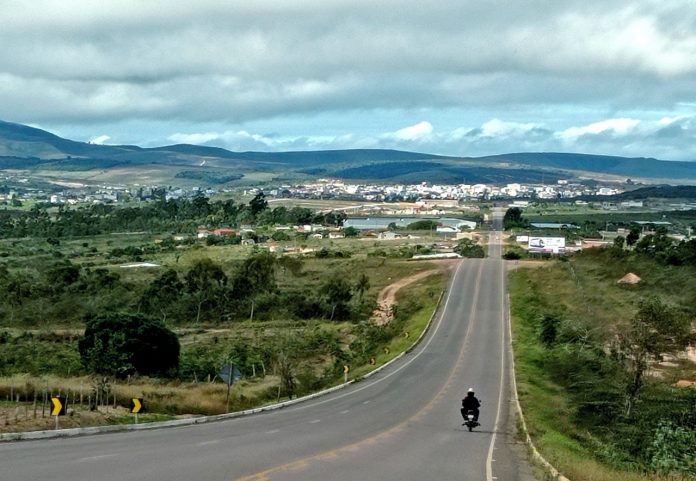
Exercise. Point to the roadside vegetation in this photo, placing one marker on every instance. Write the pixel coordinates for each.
(81, 315)
(601, 365)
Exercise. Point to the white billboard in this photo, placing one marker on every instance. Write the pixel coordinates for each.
(522, 239)
(553, 245)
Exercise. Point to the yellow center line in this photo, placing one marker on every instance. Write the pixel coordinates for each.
(333, 454)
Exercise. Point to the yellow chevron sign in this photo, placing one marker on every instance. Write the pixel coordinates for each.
(136, 405)
(58, 406)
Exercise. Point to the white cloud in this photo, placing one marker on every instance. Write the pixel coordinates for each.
(621, 126)
(255, 60)
(499, 128)
(195, 138)
(537, 73)
(671, 138)
(102, 139)
(418, 132)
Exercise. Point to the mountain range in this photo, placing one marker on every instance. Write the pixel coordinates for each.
(36, 151)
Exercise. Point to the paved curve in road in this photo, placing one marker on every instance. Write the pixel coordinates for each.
(401, 424)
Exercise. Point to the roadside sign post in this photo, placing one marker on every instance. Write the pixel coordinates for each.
(346, 370)
(136, 407)
(58, 407)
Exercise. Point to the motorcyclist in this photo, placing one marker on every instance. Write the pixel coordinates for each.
(470, 403)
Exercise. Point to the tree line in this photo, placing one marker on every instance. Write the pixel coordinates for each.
(162, 215)
(65, 292)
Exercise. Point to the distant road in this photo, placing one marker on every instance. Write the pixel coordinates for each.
(402, 424)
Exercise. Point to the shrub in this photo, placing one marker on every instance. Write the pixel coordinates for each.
(120, 344)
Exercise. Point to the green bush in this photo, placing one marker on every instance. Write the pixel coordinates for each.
(672, 450)
(468, 248)
(120, 344)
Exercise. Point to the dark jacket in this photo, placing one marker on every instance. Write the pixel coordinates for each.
(470, 402)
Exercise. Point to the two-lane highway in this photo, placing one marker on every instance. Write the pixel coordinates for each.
(401, 424)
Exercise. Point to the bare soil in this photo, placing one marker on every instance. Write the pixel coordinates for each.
(387, 296)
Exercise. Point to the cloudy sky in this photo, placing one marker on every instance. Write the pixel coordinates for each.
(459, 77)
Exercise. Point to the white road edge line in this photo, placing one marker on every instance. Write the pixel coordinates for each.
(207, 443)
(489, 459)
(95, 458)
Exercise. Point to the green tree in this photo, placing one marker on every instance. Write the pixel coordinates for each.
(423, 225)
(60, 276)
(205, 281)
(280, 235)
(351, 232)
(118, 344)
(633, 235)
(513, 218)
(256, 274)
(338, 292)
(362, 285)
(469, 248)
(658, 245)
(258, 204)
(655, 330)
(163, 294)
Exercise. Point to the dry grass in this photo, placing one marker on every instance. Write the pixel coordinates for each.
(168, 399)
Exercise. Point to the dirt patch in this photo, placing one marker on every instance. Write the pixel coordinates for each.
(691, 353)
(387, 296)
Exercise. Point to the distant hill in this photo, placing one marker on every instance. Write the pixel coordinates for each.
(623, 166)
(655, 192)
(43, 153)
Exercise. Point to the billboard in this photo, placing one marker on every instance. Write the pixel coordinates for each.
(552, 245)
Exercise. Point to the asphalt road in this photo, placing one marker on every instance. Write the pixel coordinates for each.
(401, 424)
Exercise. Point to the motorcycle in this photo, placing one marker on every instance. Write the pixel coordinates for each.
(470, 423)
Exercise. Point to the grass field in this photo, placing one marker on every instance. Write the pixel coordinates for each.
(583, 291)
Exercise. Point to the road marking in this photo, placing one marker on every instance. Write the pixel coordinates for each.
(335, 453)
(489, 462)
(95, 458)
(345, 411)
(314, 421)
(206, 443)
(366, 402)
(273, 431)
